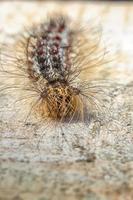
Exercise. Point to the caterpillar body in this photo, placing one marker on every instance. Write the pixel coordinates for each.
(53, 67)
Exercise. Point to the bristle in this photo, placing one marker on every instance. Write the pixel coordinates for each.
(50, 65)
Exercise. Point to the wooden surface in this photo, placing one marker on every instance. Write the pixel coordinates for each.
(76, 162)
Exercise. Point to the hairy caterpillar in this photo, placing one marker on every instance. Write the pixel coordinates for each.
(52, 70)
